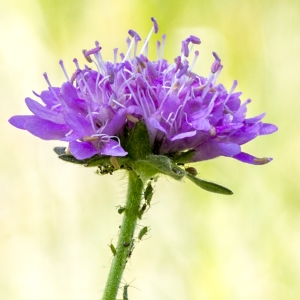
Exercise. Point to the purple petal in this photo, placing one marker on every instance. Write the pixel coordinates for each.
(255, 119)
(46, 130)
(48, 98)
(249, 159)
(212, 149)
(82, 150)
(183, 135)
(43, 112)
(20, 121)
(116, 123)
(113, 148)
(268, 129)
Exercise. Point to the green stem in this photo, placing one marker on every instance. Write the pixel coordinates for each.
(125, 242)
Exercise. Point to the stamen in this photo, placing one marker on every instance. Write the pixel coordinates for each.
(155, 29)
(133, 34)
(177, 61)
(152, 69)
(216, 56)
(50, 86)
(132, 118)
(64, 70)
(182, 71)
(194, 40)
(194, 60)
(155, 25)
(163, 43)
(185, 47)
(115, 56)
(158, 50)
(110, 72)
(129, 43)
(231, 91)
(87, 57)
(141, 63)
(95, 50)
(136, 41)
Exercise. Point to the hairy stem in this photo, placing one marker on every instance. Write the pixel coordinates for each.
(125, 242)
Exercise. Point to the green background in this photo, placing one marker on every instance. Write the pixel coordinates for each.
(56, 219)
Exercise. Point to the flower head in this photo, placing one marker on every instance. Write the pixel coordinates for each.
(182, 111)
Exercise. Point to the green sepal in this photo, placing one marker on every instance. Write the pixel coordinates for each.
(209, 186)
(156, 164)
(138, 146)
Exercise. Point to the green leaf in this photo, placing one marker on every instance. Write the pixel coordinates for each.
(138, 146)
(157, 164)
(182, 157)
(209, 186)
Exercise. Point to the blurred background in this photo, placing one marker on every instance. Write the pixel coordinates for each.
(56, 219)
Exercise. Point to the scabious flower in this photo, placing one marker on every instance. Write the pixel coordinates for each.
(182, 111)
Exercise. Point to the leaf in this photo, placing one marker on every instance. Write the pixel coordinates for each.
(157, 164)
(209, 186)
(182, 157)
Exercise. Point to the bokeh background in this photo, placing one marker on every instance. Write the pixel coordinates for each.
(56, 219)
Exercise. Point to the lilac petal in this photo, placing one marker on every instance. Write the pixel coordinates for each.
(255, 119)
(116, 123)
(268, 129)
(249, 159)
(46, 130)
(212, 149)
(48, 98)
(20, 121)
(82, 150)
(240, 114)
(79, 124)
(155, 123)
(201, 124)
(113, 148)
(183, 135)
(43, 112)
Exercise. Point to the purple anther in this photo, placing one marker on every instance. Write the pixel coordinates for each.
(141, 63)
(132, 33)
(122, 56)
(87, 57)
(182, 71)
(110, 73)
(75, 75)
(177, 61)
(185, 48)
(75, 61)
(216, 56)
(143, 58)
(155, 25)
(195, 40)
(215, 66)
(92, 51)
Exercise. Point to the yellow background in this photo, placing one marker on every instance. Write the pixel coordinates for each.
(56, 219)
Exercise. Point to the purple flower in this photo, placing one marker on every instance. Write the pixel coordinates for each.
(182, 110)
